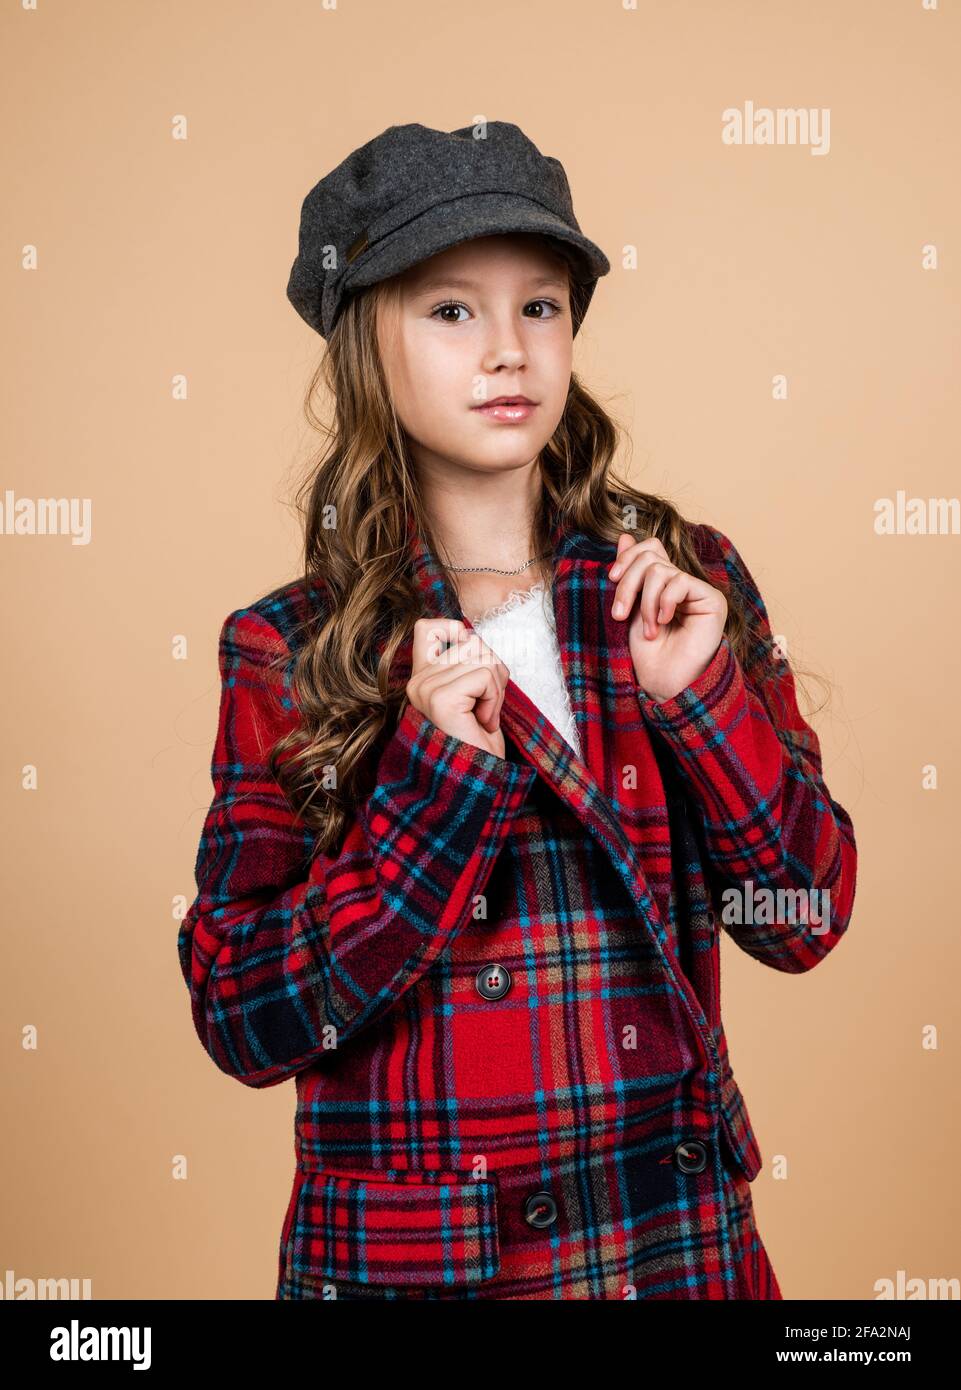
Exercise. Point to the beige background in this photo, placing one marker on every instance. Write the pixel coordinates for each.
(160, 256)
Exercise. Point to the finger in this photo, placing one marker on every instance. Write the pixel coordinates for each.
(625, 542)
(471, 648)
(474, 686)
(656, 577)
(487, 710)
(431, 638)
(463, 646)
(672, 593)
(683, 590)
(633, 581)
(637, 547)
(468, 650)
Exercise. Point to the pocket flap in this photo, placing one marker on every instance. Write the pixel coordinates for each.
(423, 1228)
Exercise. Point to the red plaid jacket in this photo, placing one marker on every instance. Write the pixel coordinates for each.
(500, 1000)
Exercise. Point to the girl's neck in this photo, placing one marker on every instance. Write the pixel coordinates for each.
(478, 592)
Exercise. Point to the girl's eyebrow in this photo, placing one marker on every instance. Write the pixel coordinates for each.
(455, 282)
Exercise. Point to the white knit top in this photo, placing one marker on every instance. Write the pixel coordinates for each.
(523, 634)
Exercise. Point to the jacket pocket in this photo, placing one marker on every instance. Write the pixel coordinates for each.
(424, 1228)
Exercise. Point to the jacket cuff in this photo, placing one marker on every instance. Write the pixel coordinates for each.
(702, 717)
(444, 789)
(700, 696)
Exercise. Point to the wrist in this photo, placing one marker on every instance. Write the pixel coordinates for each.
(698, 685)
(659, 697)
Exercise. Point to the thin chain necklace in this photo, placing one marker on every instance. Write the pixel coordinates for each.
(489, 569)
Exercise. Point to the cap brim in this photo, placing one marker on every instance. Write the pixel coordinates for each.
(464, 219)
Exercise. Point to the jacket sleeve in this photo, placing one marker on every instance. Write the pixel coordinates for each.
(753, 766)
(285, 953)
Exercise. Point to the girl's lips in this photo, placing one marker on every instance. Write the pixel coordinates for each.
(509, 414)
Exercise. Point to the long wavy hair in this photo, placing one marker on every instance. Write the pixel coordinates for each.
(356, 504)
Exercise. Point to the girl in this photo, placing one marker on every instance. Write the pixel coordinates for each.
(488, 780)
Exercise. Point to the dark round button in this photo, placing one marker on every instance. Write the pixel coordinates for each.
(540, 1210)
(493, 981)
(690, 1156)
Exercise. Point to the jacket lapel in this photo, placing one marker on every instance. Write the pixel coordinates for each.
(629, 822)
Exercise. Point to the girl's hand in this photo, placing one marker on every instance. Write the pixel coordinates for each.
(459, 687)
(676, 627)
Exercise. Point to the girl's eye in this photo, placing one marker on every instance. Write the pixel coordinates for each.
(551, 303)
(448, 304)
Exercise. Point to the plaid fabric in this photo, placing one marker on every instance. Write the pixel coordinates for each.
(427, 1115)
(393, 1231)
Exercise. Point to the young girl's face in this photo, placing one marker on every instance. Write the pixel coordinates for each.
(487, 318)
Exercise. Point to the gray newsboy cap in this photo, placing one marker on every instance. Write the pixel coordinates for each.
(412, 192)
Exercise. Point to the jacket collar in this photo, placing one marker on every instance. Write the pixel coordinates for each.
(613, 735)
